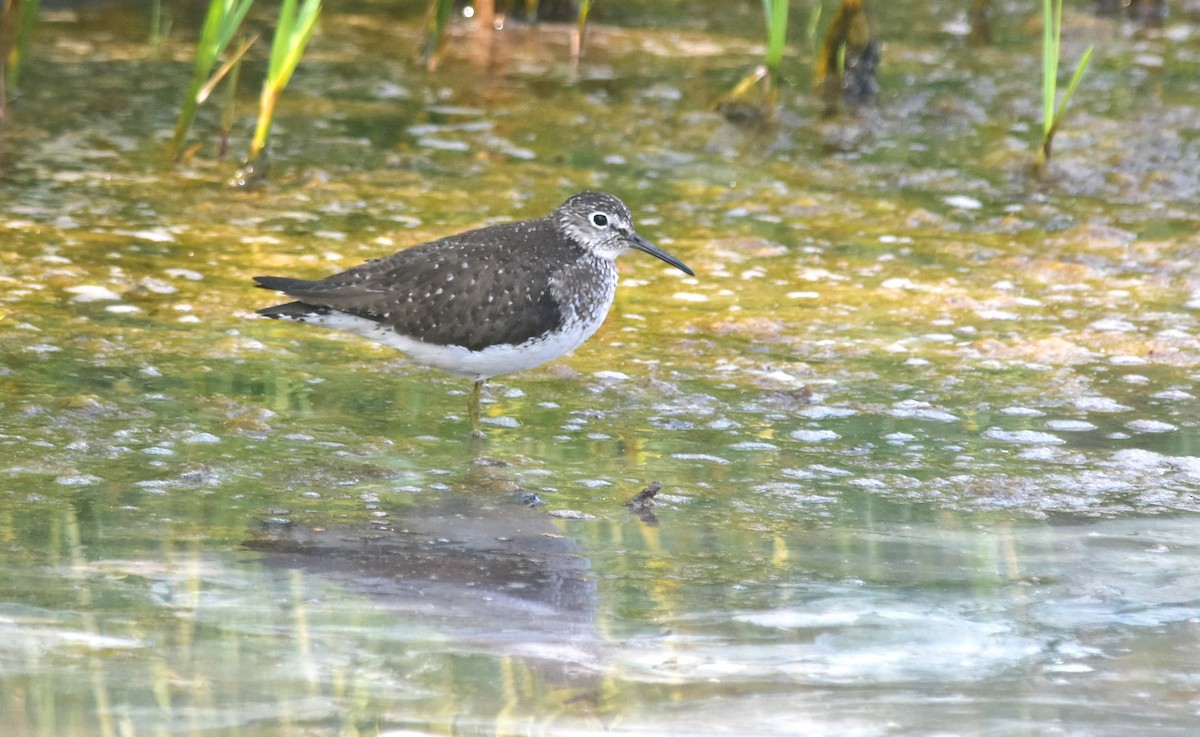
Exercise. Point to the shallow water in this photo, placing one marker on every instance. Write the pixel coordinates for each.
(926, 426)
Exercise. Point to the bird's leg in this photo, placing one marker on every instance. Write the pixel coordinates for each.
(473, 408)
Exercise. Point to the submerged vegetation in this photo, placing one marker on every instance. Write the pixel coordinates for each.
(16, 25)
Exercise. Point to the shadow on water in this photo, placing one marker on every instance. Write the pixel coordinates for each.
(496, 576)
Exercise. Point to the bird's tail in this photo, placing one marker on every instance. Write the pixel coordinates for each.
(282, 283)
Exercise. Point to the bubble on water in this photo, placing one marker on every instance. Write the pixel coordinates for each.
(1100, 404)
(868, 483)
(823, 412)
(722, 424)
(1069, 425)
(611, 376)
(154, 235)
(1023, 437)
(93, 293)
(201, 437)
(1151, 426)
(502, 421)
(962, 202)
(814, 436)
(1113, 325)
(992, 314)
(156, 286)
(911, 409)
(1173, 394)
(571, 514)
(1044, 453)
(781, 376)
(1022, 412)
(81, 479)
(753, 445)
(703, 457)
(670, 423)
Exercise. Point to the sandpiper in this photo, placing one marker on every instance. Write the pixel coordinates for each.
(485, 302)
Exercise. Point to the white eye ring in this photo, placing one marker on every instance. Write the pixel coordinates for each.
(599, 219)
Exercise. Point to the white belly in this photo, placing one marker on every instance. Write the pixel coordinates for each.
(491, 361)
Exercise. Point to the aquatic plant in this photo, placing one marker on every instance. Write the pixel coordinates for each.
(160, 26)
(1051, 48)
(813, 26)
(775, 12)
(740, 103)
(292, 33)
(436, 25)
(849, 57)
(232, 69)
(222, 21)
(16, 25)
(585, 8)
(979, 17)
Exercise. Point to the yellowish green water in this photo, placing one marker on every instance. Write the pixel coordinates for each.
(926, 426)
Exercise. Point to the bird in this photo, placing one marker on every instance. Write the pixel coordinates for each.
(486, 302)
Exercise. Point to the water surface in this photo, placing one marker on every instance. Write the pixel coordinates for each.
(926, 426)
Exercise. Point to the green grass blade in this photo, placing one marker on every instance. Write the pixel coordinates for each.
(25, 22)
(222, 21)
(235, 13)
(585, 9)
(814, 25)
(292, 35)
(776, 32)
(1049, 63)
(435, 36)
(300, 31)
(225, 68)
(282, 38)
(1080, 68)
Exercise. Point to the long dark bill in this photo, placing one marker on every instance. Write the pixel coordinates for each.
(646, 246)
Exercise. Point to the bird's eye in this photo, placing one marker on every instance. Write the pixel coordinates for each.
(600, 220)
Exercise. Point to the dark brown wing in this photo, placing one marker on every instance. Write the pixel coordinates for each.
(484, 287)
